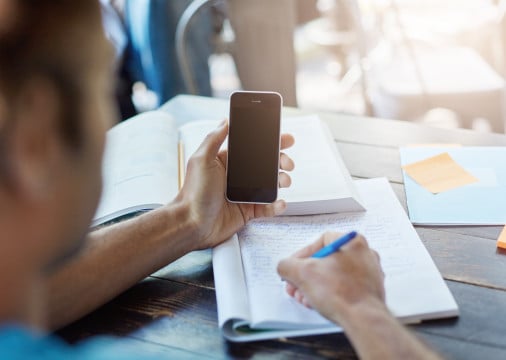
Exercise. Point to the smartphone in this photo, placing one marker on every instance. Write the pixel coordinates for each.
(253, 147)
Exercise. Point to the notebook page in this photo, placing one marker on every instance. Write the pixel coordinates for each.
(231, 292)
(409, 269)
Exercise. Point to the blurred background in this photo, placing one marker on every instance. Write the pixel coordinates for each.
(437, 62)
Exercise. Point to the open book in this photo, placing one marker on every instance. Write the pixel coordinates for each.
(145, 158)
(251, 298)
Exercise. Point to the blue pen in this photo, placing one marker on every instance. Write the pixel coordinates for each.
(335, 246)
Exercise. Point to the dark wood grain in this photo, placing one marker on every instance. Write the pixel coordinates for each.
(195, 268)
(466, 258)
(458, 349)
(182, 317)
(480, 321)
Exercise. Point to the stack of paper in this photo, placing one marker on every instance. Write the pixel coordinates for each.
(455, 186)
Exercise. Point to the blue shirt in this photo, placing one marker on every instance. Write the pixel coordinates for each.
(20, 343)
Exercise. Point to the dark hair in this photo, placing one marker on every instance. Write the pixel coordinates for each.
(46, 38)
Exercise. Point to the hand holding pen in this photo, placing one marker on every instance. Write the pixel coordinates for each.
(335, 246)
(331, 275)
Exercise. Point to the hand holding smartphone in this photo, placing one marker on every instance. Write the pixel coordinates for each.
(253, 147)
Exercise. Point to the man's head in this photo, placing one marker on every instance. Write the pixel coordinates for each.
(54, 108)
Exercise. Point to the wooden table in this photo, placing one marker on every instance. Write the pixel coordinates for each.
(173, 311)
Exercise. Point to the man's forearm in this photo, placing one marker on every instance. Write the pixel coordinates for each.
(115, 258)
(376, 334)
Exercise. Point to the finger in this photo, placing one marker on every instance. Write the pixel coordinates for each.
(212, 143)
(285, 162)
(284, 180)
(276, 208)
(306, 303)
(288, 269)
(222, 156)
(323, 240)
(359, 243)
(378, 259)
(287, 140)
(290, 289)
(298, 296)
(309, 250)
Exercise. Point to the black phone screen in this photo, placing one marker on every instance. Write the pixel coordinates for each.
(253, 147)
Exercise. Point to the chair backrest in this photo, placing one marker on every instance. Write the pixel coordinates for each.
(181, 38)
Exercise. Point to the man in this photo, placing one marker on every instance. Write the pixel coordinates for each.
(54, 109)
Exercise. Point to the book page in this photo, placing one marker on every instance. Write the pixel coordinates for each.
(139, 165)
(194, 133)
(317, 174)
(409, 269)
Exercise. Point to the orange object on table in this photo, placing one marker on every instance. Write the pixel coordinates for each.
(501, 242)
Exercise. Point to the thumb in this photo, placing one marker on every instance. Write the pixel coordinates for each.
(213, 141)
(289, 270)
(276, 208)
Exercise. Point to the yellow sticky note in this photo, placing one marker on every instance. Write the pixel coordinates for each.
(501, 242)
(439, 173)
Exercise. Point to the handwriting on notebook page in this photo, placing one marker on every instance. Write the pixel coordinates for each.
(265, 242)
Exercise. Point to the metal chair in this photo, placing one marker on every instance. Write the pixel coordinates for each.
(181, 38)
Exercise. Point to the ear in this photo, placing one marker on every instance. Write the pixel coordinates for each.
(36, 148)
